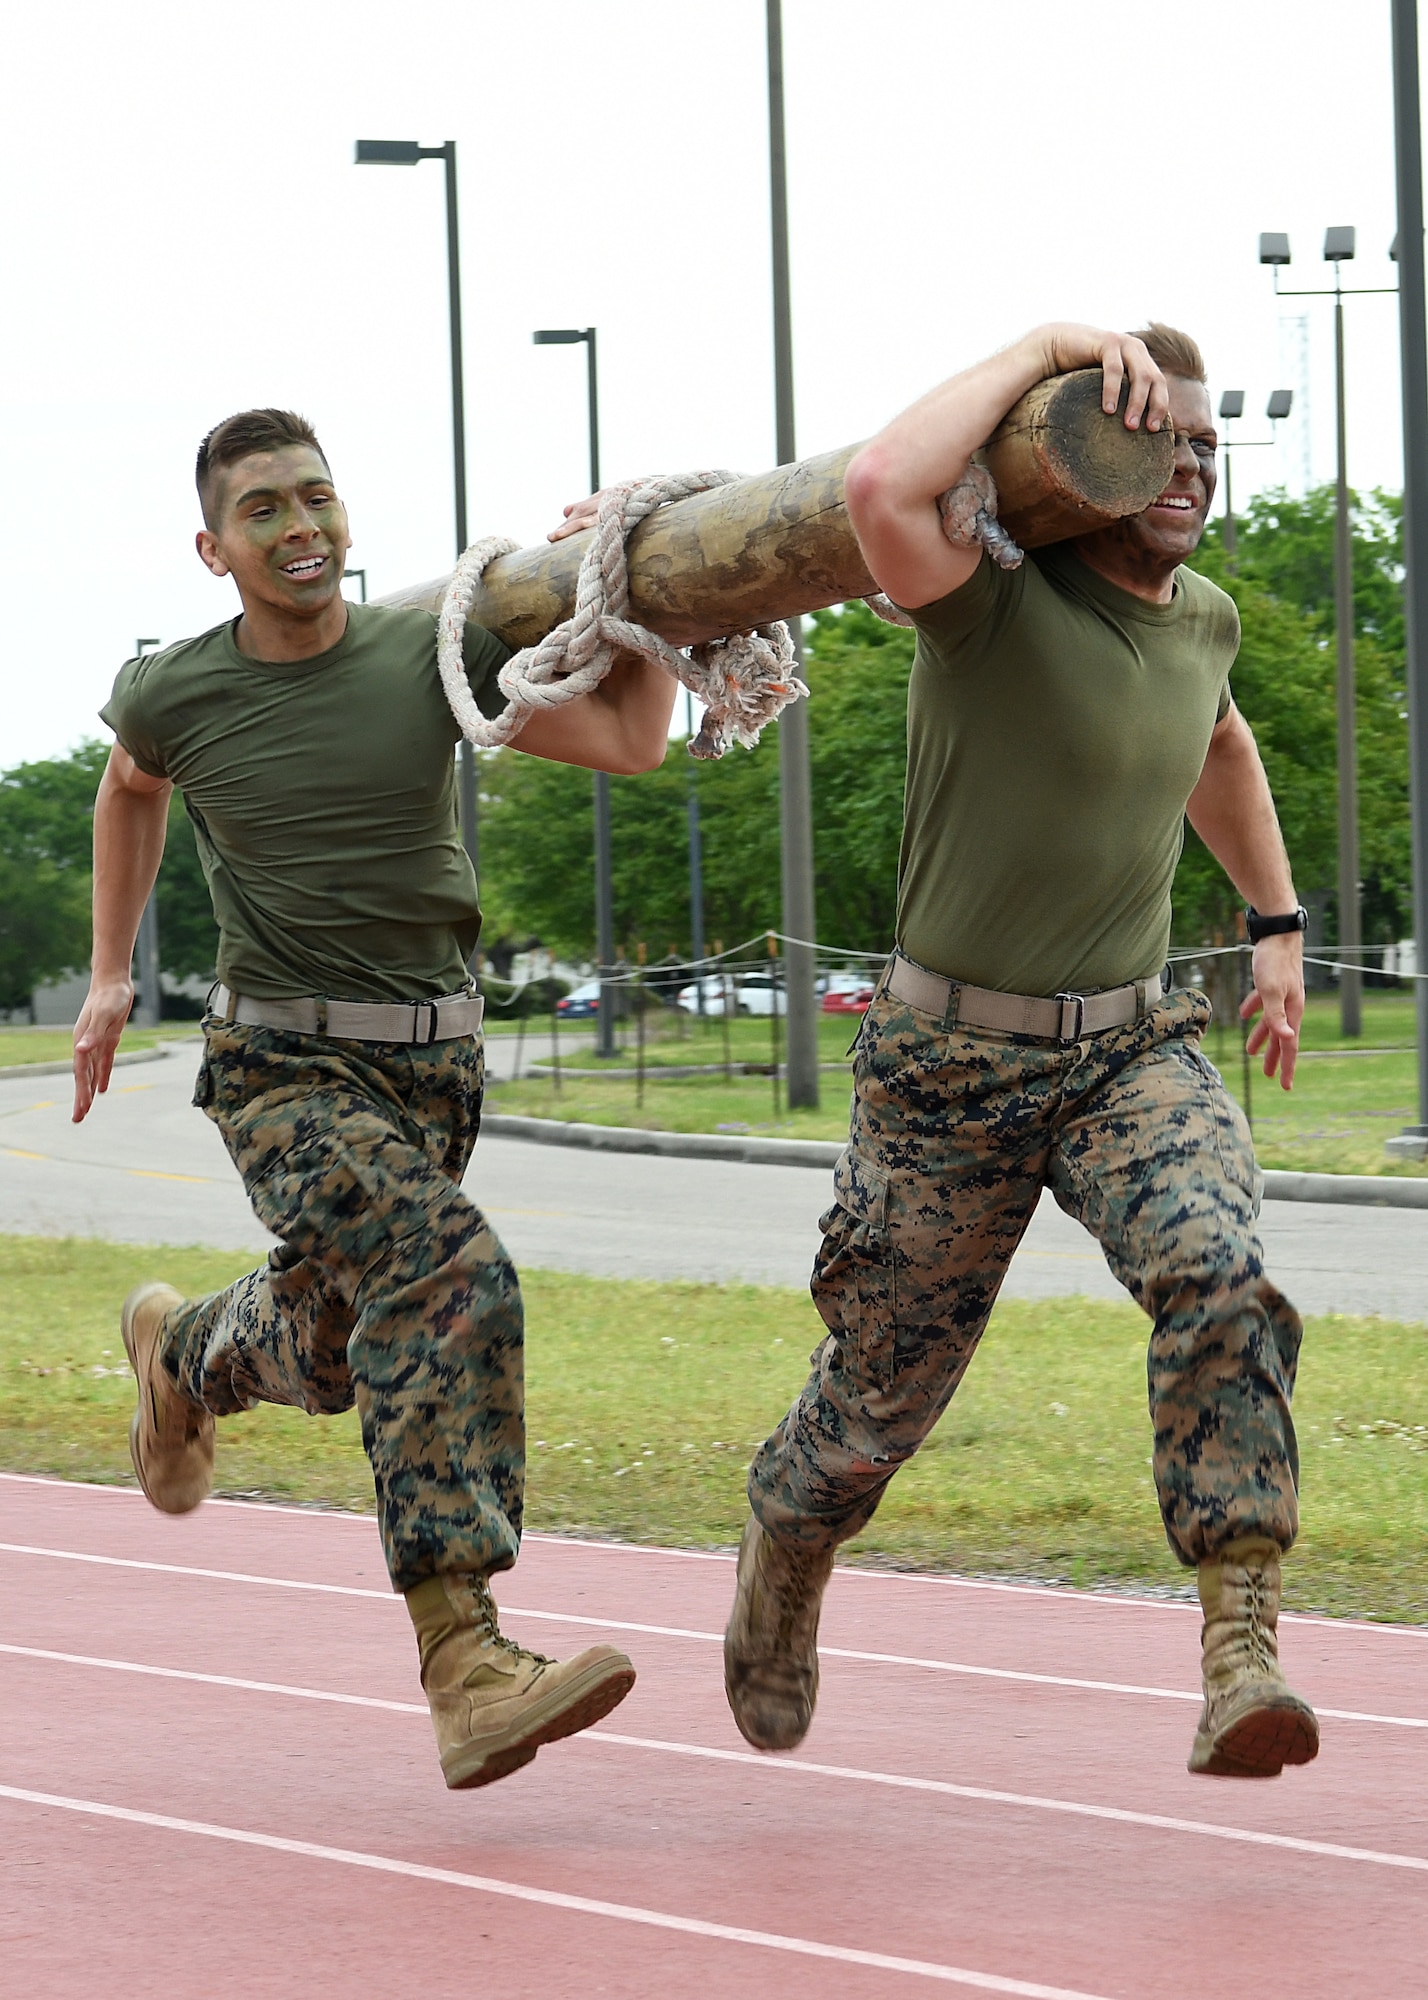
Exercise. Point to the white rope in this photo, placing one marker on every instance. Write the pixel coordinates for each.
(969, 516)
(743, 680)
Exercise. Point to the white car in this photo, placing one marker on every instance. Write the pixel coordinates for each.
(749, 992)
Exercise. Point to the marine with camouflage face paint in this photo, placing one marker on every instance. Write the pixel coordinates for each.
(1063, 720)
(314, 748)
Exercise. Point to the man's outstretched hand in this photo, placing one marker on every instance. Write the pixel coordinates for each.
(1278, 998)
(96, 1037)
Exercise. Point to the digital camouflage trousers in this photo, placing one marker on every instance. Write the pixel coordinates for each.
(388, 1288)
(955, 1133)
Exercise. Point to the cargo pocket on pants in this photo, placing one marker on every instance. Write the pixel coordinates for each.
(854, 1278)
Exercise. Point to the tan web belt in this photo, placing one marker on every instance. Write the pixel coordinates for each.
(1065, 1017)
(419, 1021)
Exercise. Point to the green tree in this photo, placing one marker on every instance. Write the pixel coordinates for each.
(46, 859)
(1283, 683)
(537, 833)
(46, 822)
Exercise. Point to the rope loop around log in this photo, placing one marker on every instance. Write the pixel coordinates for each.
(743, 680)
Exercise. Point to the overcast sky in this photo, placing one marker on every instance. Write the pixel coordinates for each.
(184, 234)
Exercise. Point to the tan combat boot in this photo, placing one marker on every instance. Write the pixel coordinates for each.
(494, 1704)
(170, 1438)
(1252, 1723)
(771, 1644)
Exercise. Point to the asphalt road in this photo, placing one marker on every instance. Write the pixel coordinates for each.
(147, 1168)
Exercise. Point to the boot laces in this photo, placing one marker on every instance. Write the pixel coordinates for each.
(1257, 1639)
(497, 1638)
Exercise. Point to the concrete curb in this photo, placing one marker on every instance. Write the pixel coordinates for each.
(751, 1150)
(121, 1061)
(1351, 1190)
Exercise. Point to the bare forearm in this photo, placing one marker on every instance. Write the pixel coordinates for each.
(1233, 812)
(129, 830)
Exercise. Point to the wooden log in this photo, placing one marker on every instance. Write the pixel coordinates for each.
(780, 543)
(1063, 467)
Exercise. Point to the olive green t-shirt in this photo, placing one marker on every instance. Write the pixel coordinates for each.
(1056, 727)
(323, 796)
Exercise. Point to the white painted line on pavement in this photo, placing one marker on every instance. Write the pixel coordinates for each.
(554, 1899)
(854, 1654)
(806, 1767)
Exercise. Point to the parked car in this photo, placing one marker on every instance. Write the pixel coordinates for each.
(714, 991)
(751, 992)
(760, 993)
(583, 1002)
(848, 999)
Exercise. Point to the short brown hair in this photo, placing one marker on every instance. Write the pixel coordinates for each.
(239, 437)
(1172, 351)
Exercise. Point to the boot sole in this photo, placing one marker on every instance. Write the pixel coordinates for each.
(580, 1703)
(1259, 1744)
(138, 1297)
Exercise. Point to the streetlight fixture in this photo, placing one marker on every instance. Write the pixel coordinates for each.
(150, 1010)
(1339, 247)
(406, 153)
(1232, 407)
(573, 336)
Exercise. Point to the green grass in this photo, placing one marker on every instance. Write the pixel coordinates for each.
(1346, 1099)
(45, 1045)
(646, 1400)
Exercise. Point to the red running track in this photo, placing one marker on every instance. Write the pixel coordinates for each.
(217, 1778)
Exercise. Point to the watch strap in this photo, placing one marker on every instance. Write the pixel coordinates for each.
(1258, 927)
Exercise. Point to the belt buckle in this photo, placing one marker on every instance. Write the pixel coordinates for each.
(429, 1006)
(1077, 1002)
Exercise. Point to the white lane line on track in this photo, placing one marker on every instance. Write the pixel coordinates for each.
(284, 1688)
(1062, 1594)
(554, 1899)
(188, 1569)
(703, 1638)
(842, 1773)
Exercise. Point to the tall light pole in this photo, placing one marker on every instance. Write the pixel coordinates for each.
(150, 1010)
(1413, 361)
(795, 771)
(570, 336)
(406, 153)
(1339, 246)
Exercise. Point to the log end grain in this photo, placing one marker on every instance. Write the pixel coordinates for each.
(1064, 467)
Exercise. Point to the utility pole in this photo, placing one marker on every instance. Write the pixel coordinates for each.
(795, 773)
(1413, 351)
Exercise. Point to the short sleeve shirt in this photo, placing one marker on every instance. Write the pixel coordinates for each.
(1056, 728)
(323, 797)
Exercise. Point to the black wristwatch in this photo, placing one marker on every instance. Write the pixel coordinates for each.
(1262, 927)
